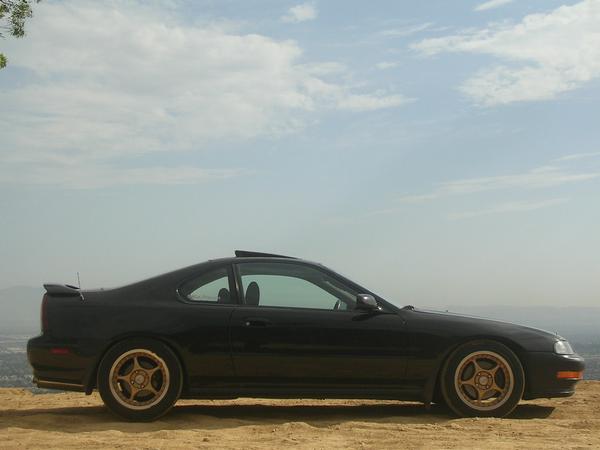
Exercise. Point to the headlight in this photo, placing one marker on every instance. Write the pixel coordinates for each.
(563, 348)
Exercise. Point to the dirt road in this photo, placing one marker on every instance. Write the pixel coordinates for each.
(76, 421)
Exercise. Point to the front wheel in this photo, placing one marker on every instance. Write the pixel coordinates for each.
(140, 379)
(483, 378)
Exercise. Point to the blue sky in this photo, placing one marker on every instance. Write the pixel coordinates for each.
(439, 152)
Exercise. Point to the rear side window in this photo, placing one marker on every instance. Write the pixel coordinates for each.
(210, 287)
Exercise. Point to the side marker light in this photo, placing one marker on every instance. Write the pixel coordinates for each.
(569, 375)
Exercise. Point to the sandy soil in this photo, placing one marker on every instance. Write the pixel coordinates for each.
(72, 420)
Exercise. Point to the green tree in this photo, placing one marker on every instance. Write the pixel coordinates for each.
(13, 14)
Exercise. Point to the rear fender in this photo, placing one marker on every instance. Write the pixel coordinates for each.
(91, 377)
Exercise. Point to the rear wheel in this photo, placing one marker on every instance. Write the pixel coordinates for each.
(482, 378)
(140, 379)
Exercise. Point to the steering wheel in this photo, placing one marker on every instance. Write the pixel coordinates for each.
(337, 305)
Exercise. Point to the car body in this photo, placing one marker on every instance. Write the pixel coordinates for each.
(263, 325)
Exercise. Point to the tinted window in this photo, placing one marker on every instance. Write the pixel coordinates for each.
(209, 287)
(294, 286)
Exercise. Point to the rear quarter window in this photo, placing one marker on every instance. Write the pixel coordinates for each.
(209, 287)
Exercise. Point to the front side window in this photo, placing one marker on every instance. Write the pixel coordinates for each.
(212, 287)
(293, 286)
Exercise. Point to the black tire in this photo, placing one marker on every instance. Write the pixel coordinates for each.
(140, 379)
(482, 379)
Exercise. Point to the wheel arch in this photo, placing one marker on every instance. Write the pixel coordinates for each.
(91, 378)
(432, 385)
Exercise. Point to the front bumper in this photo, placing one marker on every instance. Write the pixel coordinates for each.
(541, 370)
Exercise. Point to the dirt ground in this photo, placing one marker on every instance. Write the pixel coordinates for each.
(72, 420)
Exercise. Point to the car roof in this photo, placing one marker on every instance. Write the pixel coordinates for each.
(249, 254)
(241, 256)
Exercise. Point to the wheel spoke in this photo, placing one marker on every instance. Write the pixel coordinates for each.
(476, 365)
(133, 392)
(485, 395)
(151, 389)
(152, 371)
(495, 369)
(497, 388)
(479, 396)
(469, 382)
(136, 364)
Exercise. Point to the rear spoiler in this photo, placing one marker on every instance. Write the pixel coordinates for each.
(65, 290)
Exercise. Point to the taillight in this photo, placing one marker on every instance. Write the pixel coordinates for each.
(44, 313)
(60, 351)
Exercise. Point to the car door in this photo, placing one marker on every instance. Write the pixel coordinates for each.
(298, 326)
(201, 326)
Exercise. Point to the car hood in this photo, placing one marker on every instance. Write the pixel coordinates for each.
(487, 319)
(530, 338)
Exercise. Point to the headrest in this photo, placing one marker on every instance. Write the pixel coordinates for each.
(223, 296)
(252, 294)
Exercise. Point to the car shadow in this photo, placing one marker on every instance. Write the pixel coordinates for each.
(211, 416)
(316, 414)
(528, 411)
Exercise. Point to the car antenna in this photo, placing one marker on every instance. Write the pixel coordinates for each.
(78, 280)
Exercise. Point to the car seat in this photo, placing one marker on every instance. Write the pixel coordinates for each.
(223, 296)
(252, 294)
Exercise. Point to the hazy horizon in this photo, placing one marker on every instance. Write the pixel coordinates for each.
(437, 153)
(20, 307)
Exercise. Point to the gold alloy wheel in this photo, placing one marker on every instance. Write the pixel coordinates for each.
(484, 380)
(139, 379)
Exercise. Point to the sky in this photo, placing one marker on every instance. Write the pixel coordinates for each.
(439, 153)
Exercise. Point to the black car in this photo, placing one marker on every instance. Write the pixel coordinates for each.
(262, 325)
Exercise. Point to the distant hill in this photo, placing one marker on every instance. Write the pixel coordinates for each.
(20, 310)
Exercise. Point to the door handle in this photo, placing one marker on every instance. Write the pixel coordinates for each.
(256, 322)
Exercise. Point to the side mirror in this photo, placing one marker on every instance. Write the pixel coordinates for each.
(366, 302)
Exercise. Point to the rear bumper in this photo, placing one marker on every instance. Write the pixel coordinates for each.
(541, 370)
(67, 369)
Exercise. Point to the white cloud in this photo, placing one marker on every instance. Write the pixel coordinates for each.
(544, 54)
(406, 31)
(326, 68)
(94, 94)
(509, 207)
(577, 156)
(386, 65)
(98, 176)
(491, 4)
(301, 13)
(538, 178)
(371, 102)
